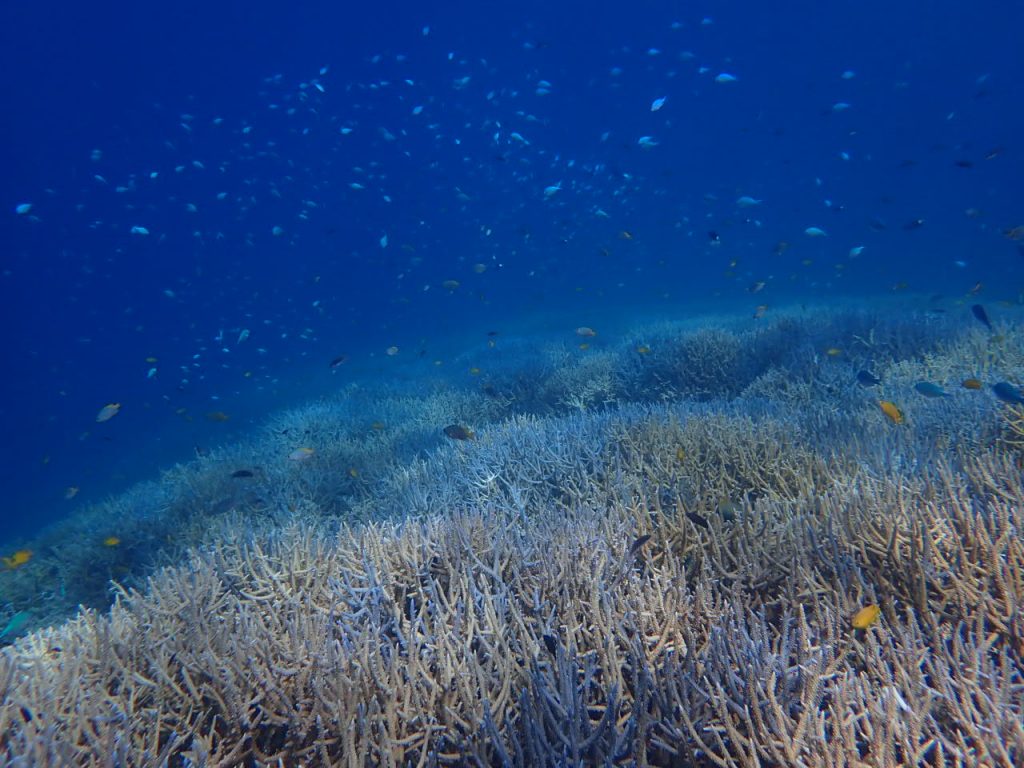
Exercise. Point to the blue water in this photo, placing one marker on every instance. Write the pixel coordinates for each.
(211, 125)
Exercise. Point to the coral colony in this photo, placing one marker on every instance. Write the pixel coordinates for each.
(718, 551)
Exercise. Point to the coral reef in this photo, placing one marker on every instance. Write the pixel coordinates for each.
(640, 558)
(597, 637)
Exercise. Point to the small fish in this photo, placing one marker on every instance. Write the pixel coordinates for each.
(815, 232)
(760, 310)
(698, 520)
(658, 103)
(867, 379)
(391, 351)
(865, 617)
(218, 416)
(636, 545)
(892, 411)
(1008, 393)
(746, 201)
(339, 360)
(450, 285)
(301, 454)
(18, 559)
(981, 315)
(108, 411)
(550, 642)
(725, 77)
(834, 352)
(928, 389)
(585, 332)
(111, 541)
(70, 492)
(643, 349)
(242, 473)
(552, 190)
(17, 621)
(972, 384)
(727, 510)
(459, 432)
(757, 286)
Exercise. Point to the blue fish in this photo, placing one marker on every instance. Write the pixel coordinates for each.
(867, 379)
(17, 621)
(928, 389)
(981, 315)
(1008, 393)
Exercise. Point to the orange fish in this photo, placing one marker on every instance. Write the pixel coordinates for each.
(865, 617)
(972, 384)
(18, 559)
(892, 411)
(108, 411)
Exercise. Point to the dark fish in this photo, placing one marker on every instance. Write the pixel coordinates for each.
(240, 473)
(867, 379)
(913, 224)
(698, 520)
(982, 316)
(928, 389)
(1008, 393)
(339, 360)
(636, 545)
(550, 643)
(459, 432)
(714, 237)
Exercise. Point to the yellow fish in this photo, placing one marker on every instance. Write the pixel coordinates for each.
(892, 411)
(108, 411)
(18, 559)
(111, 541)
(643, 349)
(865, 617)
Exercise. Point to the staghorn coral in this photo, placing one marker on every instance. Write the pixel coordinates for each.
(560, 590)
(466, 640)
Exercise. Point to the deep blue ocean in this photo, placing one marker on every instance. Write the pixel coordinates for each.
(203, 205)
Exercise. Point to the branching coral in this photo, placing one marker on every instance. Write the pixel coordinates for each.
(560, 640)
